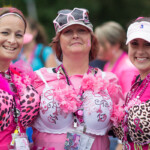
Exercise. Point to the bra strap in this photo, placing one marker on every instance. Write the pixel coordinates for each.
(41, 76)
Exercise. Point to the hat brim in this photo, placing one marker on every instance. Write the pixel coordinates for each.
(138, 35)
(89, 26)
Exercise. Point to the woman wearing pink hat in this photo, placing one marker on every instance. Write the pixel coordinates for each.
(77, 101)
(136, 122)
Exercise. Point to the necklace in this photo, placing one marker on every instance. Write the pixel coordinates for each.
(138, 88)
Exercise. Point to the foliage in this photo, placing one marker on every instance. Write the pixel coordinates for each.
(122, 11)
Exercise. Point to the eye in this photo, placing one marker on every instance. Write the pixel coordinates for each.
(82, 30)
(19, 35)
(147, 44)
(4, 33)
(134, 43)
(67, 31)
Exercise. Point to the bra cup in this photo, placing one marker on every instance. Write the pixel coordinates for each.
(97, 110)
(51, 114)
(29, 106)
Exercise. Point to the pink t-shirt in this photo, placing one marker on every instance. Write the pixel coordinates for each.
(124, 70)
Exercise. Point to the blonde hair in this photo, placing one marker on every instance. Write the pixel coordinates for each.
(112, 32)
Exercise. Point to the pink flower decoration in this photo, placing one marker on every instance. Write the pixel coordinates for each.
(88, 82)
(117, 114)
(100, 84)
(67, 98)
(112, 89)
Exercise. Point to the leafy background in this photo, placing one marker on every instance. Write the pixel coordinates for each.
(122, 11)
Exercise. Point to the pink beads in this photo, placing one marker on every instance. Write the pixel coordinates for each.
(80, 112)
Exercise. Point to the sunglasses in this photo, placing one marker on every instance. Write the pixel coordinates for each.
(76, 14)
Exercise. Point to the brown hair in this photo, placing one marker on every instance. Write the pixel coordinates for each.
(5, 10)
(55, 44)
(113, 32)
(41, 36)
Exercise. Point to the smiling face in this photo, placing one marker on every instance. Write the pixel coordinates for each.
(139, 54)
(11, 37)
(75, 39)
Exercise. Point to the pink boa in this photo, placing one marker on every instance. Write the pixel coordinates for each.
(117, 114)
(4, 85)
(68, 100)
(22, 75)
(23, 68)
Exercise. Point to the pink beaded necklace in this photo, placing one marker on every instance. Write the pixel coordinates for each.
(138, 90)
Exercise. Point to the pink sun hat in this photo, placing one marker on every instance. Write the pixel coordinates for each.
(27, 38)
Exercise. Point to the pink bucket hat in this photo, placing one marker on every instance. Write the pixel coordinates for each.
(69, 17)
(138, 30)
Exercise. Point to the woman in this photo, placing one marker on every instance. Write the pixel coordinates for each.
(136, 122)
(35, 50)
(76, 100)
(112, 48)
(19, 101)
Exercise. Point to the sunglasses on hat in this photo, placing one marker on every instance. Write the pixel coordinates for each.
(76, 15)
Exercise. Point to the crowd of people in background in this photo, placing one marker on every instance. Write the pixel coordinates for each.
(87, 89)
(35, 49)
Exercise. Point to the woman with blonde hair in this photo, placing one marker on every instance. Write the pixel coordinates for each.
(112, 48)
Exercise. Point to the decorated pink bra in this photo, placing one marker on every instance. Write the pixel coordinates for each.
(26, 100)
(60, 101)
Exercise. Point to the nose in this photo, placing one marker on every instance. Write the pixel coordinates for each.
(140, 50)
(12, 39)
(75, 34)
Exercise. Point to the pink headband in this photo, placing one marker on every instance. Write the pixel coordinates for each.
(11, 13)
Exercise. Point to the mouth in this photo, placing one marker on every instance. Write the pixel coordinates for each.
(141, 59)
(9, 48)
(76, 43)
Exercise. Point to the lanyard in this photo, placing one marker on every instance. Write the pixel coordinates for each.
(79, 113)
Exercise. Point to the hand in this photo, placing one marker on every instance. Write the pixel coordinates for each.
(119, 146)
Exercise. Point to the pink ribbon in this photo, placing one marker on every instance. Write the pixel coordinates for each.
(137, 122)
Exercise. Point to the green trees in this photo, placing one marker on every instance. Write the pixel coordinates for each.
(122, 11)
